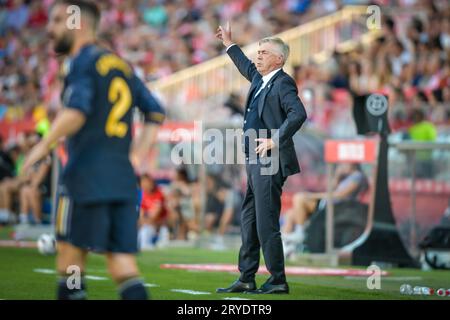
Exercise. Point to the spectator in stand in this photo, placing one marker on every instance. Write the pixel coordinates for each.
(222, 203)
(10, 187)
(6, 161)
(18, 15)
(184, 31)
(184, 201)
(398, 56)
(153, 214)
(31, 194)
(349, 183)
(422, 131)
(8, 156)
(38, 15)
(216, 193)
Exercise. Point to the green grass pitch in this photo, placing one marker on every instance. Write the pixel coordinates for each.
(18, 279)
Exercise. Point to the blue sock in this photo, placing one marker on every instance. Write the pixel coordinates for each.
(64, 293)
(133, 289)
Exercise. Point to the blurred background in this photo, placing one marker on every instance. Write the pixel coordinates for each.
(340, 53)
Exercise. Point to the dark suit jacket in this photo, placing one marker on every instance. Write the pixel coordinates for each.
(279, 107)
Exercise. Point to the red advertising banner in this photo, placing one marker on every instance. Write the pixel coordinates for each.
(355, 151)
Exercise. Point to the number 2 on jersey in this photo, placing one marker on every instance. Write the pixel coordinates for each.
(120, 96)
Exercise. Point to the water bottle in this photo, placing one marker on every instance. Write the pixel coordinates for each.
(406, 289)
(423, 291)
(443, 292)
(427, 291)
(417, 290)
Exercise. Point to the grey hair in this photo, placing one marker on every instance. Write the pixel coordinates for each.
(283, 48)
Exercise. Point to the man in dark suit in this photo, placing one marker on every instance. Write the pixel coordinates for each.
(273, 114)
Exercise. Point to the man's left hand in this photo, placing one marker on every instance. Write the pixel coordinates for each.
(264, 146)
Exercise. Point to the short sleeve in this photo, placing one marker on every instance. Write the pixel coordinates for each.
(79, 90)
(360, 179)
(148, 104)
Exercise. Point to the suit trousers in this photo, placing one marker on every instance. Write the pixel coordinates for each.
(260, 225)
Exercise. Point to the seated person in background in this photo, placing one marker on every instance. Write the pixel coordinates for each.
(221, 204)
(349, 183)
(31, 192)
(10, 187)
(232, 204)
(153, 214)
(7, 159)
(215, 200)
(183, 206)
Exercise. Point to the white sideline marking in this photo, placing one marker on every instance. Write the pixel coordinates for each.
(50, 271)
(190, 291)
(96, 271)
(96, 278)
(387, 278)
(45, 271)
(151, 285)
(235, 298)
(400, 278)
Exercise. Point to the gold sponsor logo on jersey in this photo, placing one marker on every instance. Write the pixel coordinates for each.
(109, 62)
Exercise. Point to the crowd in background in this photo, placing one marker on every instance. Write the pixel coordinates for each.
(410, 63)
(157, 37)
(168, 211)
(174, 211)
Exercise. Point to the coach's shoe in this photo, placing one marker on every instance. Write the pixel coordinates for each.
(238, 286)
(268, 288)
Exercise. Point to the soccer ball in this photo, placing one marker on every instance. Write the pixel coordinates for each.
(46, 244)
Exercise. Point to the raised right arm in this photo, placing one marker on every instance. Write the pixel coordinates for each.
(245, 66)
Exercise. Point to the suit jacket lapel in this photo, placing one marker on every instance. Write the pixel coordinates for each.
(251, 92)
(263, 93)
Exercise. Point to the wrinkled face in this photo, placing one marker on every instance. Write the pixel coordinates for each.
(268, 58)
(57, 30)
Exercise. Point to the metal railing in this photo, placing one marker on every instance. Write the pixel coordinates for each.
(218, 77)
(411, 150)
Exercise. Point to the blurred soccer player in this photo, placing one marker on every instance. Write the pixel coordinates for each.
(99, 212)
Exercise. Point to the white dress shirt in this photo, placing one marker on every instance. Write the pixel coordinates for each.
(265, 78)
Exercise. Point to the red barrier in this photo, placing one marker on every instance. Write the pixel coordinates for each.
(11, 129)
